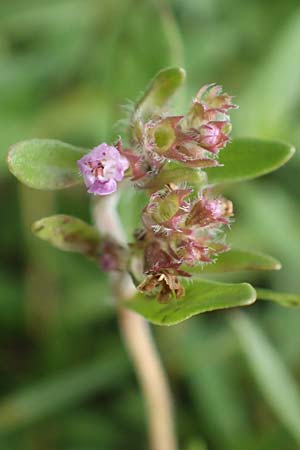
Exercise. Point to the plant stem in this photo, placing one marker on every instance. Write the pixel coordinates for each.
(138, 340)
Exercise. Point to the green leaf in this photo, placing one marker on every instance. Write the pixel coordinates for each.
(45, 163)
(201, 296)
(176, 173)
(283, 298)
(235, 260)
(160, 90)
(247, 158)
(68, 233)
(270, 372)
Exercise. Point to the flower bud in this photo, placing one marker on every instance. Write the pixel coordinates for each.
(113, 257)
(160, 134)
(210, 101)
(191, 251)
(165, 209)
(206, 212)
(212, 136)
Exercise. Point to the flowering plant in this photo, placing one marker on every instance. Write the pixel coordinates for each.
(179, 163)
(177, 160)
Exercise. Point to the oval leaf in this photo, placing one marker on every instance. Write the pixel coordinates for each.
(283, 298)
(246, 158)
(45, 163)
(236, 260)
(200, 297)
(68, 233)
(160, 90)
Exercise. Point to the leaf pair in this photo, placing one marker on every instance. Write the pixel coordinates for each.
(51, 164)
(71, 234)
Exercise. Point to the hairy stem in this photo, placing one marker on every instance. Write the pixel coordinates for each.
(138, 340)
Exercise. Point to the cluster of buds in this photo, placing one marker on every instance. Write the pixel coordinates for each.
(181, 227)
(193, 140)
(179, 233)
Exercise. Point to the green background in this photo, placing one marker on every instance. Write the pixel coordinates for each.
(68, 70)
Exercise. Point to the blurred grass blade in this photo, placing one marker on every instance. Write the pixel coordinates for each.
(196, 444)
(270, 372)
(57, 393)
(200, 297)
(45, 163)
(274, 90)
(247, 158)
(236, 260)
(204, 356)
(160, 90)
(68, 233)
(282, 298)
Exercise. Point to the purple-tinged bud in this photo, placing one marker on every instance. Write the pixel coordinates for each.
(209, 211)
(102, 168)
(162, 269)
(167, 139)
(191, 252)
(157, 260)
(108, 263)
(210, 106)
(213, 136)
(142, 165)
(113, 257)
(213, 100)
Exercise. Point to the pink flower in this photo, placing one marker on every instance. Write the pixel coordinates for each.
(102, 168)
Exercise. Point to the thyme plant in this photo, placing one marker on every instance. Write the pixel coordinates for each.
(179, 162)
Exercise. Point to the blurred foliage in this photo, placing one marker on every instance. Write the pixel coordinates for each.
(67, 69)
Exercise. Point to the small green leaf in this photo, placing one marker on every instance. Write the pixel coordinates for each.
(283, 298)
(235, 260)
(176, 173)
(201, 296)
(68, 233)
(246, 158)
(45, 163)
(160, 90)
